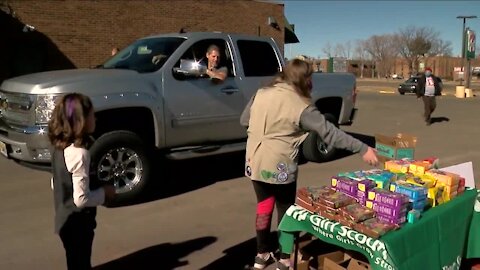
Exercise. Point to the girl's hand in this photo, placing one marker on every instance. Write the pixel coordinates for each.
(370, 157)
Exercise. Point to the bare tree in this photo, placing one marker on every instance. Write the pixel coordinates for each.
(360, 53)
(327, 50)
(417, 42)
(441, 48)
(383, 51)
(339, 50)
(343, 50)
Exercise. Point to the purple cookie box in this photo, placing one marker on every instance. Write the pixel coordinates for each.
(399, 220)
(346, 185)
(390, 211)
(387, 197)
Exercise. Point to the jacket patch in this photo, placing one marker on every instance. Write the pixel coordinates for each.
(282, 177)
(248, 171)
(266, 174)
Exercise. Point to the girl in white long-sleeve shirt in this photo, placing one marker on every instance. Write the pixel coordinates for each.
(75, 194)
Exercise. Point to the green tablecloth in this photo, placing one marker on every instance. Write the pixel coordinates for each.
(439, 240)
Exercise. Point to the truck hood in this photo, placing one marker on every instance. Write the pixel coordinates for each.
(42, 82)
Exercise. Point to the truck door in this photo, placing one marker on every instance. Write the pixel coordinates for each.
(259, 61)
(200, 110)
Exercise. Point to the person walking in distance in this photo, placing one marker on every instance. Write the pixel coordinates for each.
(76, 195)
(429, 86)
(278, 119)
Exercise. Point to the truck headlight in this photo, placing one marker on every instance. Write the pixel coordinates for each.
(44, 108)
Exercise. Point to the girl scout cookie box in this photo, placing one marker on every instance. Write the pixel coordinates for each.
(395, 147)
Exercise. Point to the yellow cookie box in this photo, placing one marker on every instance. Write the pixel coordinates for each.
(419, 167)
(444, 178)
(397, 166)
(422, 180)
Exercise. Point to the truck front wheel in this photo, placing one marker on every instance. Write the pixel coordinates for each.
(120, 158)
(314, 149)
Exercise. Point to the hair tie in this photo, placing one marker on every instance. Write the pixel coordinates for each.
(70, 108)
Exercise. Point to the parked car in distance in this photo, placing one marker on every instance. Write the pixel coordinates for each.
(397, 76)
(409, 86)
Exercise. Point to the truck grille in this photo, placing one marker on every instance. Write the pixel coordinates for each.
(17, 108)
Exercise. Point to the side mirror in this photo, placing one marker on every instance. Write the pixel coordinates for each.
(190, 68)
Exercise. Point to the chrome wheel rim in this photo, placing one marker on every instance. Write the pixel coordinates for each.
(121, 167)
(322, 147)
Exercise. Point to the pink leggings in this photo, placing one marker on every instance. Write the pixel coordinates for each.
(269, 195)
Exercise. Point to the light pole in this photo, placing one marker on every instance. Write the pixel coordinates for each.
(463, 45)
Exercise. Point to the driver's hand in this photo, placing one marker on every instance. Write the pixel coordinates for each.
(157, 58)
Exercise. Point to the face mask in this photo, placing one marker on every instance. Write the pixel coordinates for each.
(428, 73)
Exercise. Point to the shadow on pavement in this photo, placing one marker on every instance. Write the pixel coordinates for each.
(236, 257)
(164, 256)
(439, 119)
(175, 177)
(367, 139)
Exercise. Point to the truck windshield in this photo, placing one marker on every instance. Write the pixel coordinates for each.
(144, 55)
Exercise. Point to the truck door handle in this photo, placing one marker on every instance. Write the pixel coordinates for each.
(229, 90)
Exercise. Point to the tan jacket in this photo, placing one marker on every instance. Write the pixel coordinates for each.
(274, 134)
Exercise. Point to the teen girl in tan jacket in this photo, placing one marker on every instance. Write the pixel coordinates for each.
(279, 118)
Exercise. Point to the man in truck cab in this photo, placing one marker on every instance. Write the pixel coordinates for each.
(213, 60)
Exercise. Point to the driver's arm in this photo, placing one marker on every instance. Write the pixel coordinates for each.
(219, 74)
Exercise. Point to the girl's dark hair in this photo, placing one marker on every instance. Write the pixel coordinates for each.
(296, 73)
(68, 123)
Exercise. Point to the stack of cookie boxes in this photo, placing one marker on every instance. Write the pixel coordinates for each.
(401, 191)
(379, 200)
(425, 185)
(370, 189)
(343, 208)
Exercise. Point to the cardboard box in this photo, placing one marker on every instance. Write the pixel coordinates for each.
(312, 252)
(349, 260)
(338, 261)
(347, 263)
(332, 258)
(395, 147)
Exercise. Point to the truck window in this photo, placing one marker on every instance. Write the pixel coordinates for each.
(258, 58)
(198, 52)
(144, 55)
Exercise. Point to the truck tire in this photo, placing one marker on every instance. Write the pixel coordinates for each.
(314, 149)
(120, 158)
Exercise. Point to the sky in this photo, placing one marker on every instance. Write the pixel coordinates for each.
(337, 22)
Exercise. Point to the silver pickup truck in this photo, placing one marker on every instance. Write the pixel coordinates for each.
(148, 100)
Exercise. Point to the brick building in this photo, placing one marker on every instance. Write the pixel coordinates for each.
(51, 34)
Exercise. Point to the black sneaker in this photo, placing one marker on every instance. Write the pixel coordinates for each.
(261, 263)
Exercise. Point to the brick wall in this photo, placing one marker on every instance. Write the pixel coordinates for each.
(82, 33)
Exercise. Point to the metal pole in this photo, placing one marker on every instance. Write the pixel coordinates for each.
(466, 71)
(463, 52)
(463, 37)
(467, 85)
